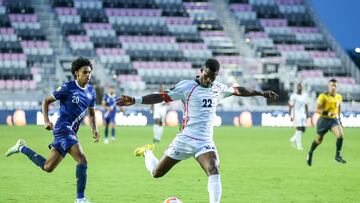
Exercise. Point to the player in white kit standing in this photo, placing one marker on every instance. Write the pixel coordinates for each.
(159, 113)
(195, 138)
(299, 112)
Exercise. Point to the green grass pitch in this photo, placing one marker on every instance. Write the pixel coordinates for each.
(258, 165)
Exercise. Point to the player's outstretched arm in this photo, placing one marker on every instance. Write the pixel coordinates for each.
(45, 111)
(245, 92)
(92, 119)
(147, 99)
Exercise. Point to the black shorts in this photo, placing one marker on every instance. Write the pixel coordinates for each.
(325, 124)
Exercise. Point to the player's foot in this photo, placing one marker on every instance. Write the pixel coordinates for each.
(113, 138)
(309, 159)
(16, 148)
(299, 148)
(84, 200)
(339, 159)
(106, 141)
(141, 150)
(156, 140)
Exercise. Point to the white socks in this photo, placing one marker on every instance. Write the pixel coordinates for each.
(158, 131)
(214, 188)
(150, 161)
(298, 139)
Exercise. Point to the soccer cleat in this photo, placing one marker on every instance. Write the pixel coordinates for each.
(155, 140)
(141, 150)
(16, 148)
(113, 138)
(309, 159)
(339, 159)
(106, 141)
(300, 148)
(84, 200)
(293, 143)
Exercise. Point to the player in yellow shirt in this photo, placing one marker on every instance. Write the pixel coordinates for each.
(328, 106)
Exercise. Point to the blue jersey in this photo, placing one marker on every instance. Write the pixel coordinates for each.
(74, 102)
(110, 101)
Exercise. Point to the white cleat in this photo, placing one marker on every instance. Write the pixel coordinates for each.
(300, 148)
(84, 200)
(106, 141)
(113, 138)
(16, 148)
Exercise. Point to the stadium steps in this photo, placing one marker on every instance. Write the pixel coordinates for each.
(50, 26)
(349, 65)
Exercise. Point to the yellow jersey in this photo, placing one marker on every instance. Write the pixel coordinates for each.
(329, 103)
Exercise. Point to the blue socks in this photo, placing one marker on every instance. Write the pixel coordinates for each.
(106, 131)
(113, 132)
(35, 158)
(81, 180)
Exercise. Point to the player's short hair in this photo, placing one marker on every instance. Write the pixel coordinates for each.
(212, 64)
(78, 63)
(332, 80)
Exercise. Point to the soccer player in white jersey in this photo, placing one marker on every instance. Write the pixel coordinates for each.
(159, 113)
(195, 138)
(299, 112)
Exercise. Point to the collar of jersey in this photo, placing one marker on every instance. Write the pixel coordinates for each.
(201, 85)
(77, 84)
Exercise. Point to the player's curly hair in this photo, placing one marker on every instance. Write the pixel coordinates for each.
(212, 64)
(332, 80)
(78, 63)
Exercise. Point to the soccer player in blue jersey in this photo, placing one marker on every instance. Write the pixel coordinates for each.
(76, 98)
(109, 104)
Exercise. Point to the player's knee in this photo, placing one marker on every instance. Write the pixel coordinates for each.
(82, 159)
(157, 174)
(213, 170)
(49, 168)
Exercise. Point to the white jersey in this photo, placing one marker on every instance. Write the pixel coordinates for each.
(199, 106)
(298, 101)
(159, 111)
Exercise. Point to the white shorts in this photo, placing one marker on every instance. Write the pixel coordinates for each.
(300, 121)
(159, 115)
(184, 147)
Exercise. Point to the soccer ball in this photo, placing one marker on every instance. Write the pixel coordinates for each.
(172, 200)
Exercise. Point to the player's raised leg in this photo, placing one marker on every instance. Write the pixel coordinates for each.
(339, 141)
(210, 164)
(156, 168)
(77, 153)
(47, 165)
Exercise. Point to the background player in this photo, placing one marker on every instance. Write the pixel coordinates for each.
(299, 111)
(109, 104)
(195, 139)
(329, 108)
(159, 113)
(76, 97)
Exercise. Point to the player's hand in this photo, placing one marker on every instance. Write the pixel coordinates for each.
(125, 101)
(49, 125)
(96, 136)
(269, 95)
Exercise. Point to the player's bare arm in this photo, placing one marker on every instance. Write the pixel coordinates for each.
(290, 109)
(93, 124)
(245, 92)
(45, 111)
(307, 111)
(147, 99)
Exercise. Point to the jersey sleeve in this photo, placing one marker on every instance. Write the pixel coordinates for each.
(178, 92)
(226, 91)
(93, 100)
(321, 99)
(61, 92)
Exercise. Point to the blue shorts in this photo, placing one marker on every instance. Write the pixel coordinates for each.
(110, 118)
(63, 142)
(325, 124)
